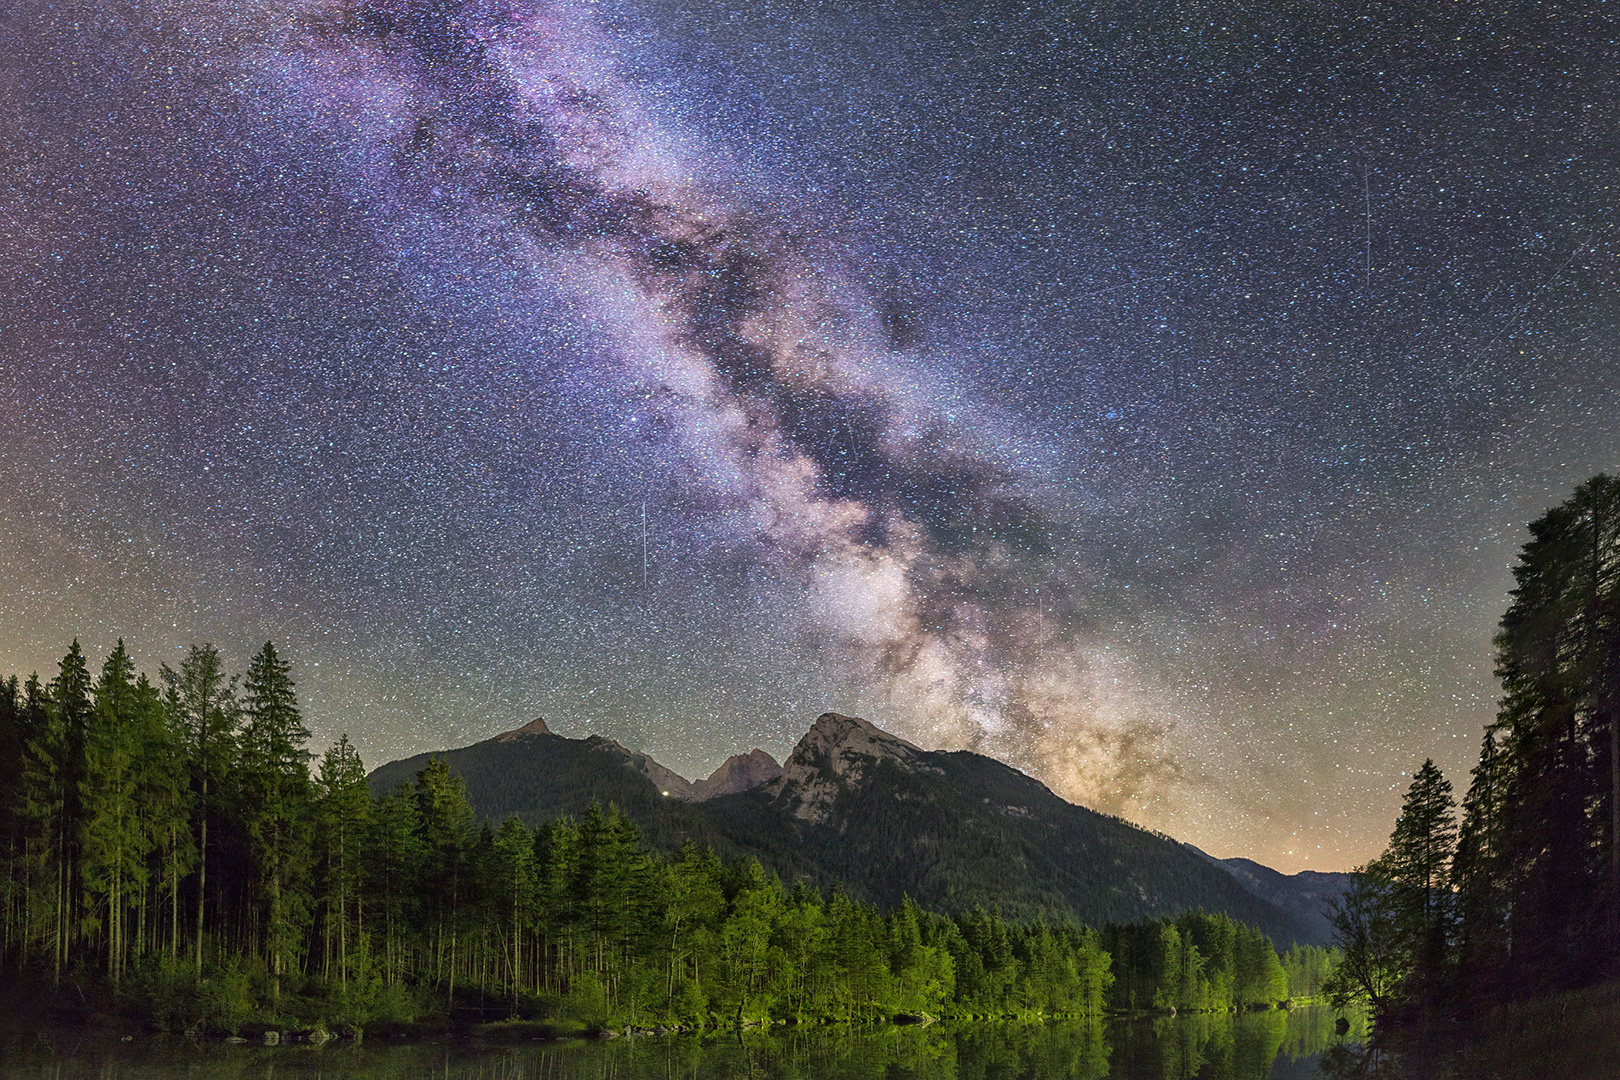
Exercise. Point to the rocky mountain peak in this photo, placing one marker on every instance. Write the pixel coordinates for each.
(845, 738)
(537, 726)
(834, 756)
(739, 772)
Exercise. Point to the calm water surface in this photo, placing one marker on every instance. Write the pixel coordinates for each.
(1253, 1046)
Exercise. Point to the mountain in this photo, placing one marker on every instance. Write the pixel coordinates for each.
(538, 776)
(857, 806)
(833, 761)
(1305, 895)
(955, 830)
(739, 772)
(537, 726)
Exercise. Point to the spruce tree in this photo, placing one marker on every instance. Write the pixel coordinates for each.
(53, 786)
(512, 891)
(201, 700)
(445, 824)
(1395, 924)
(1419, 860)
(116, 842)
(1477, 875)
(394, 860)
(344, 821)
(1557, 837)
(12, 867)
(276, 806)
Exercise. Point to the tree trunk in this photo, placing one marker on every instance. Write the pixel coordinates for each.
(202, 878)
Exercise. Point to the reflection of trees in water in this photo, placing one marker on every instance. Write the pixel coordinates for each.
(1210, 1046)
(1311, 1031)
(1422, 1055)
(1360, 1062)
(1219, 1046)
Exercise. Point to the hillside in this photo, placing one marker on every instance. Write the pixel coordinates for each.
(537, 776)
(1305, 895)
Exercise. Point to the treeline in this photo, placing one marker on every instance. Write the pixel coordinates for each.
(1516, 893)
(1198, 963)
(169, 841)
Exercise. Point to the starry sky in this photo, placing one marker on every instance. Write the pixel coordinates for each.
(1150, 395)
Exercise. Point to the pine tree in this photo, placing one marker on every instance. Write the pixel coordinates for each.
(513, 891)
(1558, 834)
(167, 800)
(692, 898)
(1477, 875)
(53, 784)
(1394, 926)
(345, 819)
(276, 806)
(13, 869)
(1419, 860)
(445, 825)
(201, 700)
(116, 842)
(393, 864)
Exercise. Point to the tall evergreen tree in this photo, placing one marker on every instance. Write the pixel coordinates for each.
(116, 842)
(1395, 924)
(512, 893)
(277, 800)
(1477, 875)
(393, 865)
(1558, 655)
(12, 867)
(30, 826)
(344, 819)
(201, 700)
(1419, 860)
(445, 824)
(53, 785)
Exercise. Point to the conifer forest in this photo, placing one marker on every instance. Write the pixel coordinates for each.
(173, 844)
(1515, 893)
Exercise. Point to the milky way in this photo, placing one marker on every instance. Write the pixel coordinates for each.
(1152, 400)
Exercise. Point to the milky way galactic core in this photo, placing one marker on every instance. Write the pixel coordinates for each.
(1152, 399)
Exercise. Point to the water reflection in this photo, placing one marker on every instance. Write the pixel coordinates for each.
(1252, 1046)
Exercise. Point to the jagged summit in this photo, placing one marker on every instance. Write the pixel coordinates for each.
(835, 755)
(739, 772)
(537, 726)
(834, 732)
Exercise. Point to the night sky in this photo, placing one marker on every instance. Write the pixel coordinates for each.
(1150, 395)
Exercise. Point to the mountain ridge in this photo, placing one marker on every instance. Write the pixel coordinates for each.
(857, 807)
(1306, 894)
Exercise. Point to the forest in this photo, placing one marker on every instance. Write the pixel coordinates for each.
(168, 846)
(1515, 893)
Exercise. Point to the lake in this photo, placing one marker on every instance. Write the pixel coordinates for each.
(1251, 1046)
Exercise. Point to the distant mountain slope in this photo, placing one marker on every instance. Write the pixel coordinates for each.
(539, 776)
(856, 805)
(1305, 895)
